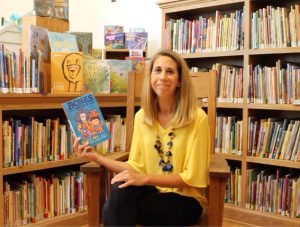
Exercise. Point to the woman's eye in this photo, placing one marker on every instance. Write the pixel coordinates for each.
(157, 70)
(170, 71)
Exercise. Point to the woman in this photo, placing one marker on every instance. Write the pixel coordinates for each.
(168, 161)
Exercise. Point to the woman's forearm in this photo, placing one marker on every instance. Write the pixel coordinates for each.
(172, 181)
(113, 165)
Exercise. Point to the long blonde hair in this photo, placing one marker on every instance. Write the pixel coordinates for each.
(185, 102)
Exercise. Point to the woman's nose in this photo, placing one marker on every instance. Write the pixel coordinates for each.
(163, 75)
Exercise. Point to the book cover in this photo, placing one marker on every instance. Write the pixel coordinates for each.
(61, 9)
(113, 29)
(138, 63)
(114, 41)
(119, 75)
(63, 42)
(96, 76)
(84, 41)
(97, 53)
(136, 30)
(136, 40)
(86, 119)
(43, 8)
(66, 72)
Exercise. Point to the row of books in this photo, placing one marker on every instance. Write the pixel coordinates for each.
(220, 33)
(233, 193)
(228, 136)
(30, 197)
(274, 138)
(273, 27)
(274, 85)
(229, 83)
(27, 140)
(273, 190)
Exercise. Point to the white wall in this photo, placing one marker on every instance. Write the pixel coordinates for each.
(92, 15)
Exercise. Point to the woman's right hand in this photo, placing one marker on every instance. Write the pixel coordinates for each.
(85, 151)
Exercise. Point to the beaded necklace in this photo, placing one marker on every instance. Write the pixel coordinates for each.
(166, 166)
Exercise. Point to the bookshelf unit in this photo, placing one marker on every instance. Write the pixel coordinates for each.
(119, 54)
(191, 10)
(49, 106)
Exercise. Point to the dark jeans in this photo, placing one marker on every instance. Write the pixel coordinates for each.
(145, 206)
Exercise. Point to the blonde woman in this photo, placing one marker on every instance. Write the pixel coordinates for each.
(169, 156)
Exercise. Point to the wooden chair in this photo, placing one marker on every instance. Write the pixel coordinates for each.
(218, 168)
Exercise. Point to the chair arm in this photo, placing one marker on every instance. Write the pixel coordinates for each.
(218, 167)
(95, 167)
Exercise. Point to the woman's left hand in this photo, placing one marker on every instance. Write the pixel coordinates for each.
(130, 178)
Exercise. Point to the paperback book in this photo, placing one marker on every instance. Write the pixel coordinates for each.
(136, 40)
(63, 42)
(38, 40)
(86, 119)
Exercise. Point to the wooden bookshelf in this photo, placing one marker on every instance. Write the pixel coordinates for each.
(119, 54)
(191, 10)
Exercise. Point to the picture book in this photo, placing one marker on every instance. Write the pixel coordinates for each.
(86, 120)
(61, 9)
(114, 41)
(43, 8)
(119, 75)
(38, 40)
(136, 40)
(138, 63)
(97, 53)
(113, 29)
(63, 42)
(66, 72)
(96, 76)
(135, 53)
(84, 42)
(136, 30)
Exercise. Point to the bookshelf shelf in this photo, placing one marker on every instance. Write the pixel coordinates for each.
(43, 165)
(273, 162)
(119, 53)
(227, 105)
(231, 157)
(274, 107)
(283, 50)
(64, 220)
(213, 54)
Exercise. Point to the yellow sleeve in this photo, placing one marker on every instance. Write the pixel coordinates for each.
(136, 158)
(196, 173)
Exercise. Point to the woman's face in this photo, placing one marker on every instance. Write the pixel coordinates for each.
(164, 77)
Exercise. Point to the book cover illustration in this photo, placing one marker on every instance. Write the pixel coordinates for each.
(138, 63)
(96, 76)
(136, 30)
(135, 53)
(66, 72)
(113, 29)
(63, 42)
(86, 119)
(84, 41)
(61, 9)
(114, 41)
(119, 75)
(136, 40)
(43, 8)
(38, 40)
(97, 53)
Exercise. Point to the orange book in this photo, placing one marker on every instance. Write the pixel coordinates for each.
(66, 72)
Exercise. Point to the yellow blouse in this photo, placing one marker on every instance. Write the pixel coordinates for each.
(190, 153)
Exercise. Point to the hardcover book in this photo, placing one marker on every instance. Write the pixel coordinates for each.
(96, 76)
(113, 29)
(119, 75)
(97, 53)
(114, 41)
(84, 41)
(138, 63)
(63, 42)
(86, 120)
(136, 40)
(66, 72)
(38, 40)
(43, 8)
(61, 9)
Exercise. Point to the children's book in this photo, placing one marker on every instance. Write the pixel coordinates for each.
(61, 9)
(43, 8)
(97, 53)
(119, 75)
(136, 30)
(86, 120)
(63, 42)
(66, 72)
(96, 76)
(38, 40)
(136, 40)
(114, 41)
(84, 41)
(113, 29)
(138, 63)
(135, 53)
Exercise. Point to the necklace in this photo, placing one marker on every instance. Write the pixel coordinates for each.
(166, 166)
